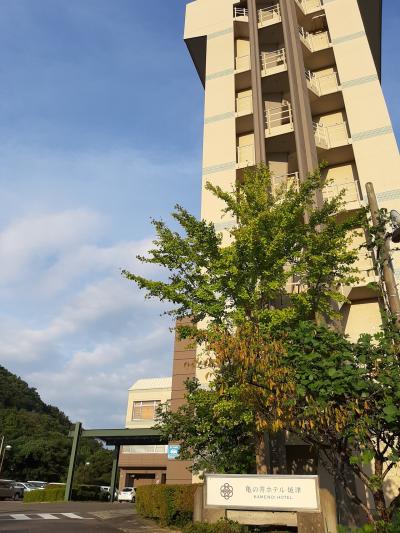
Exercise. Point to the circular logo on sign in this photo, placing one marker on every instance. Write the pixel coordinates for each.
(226, 491)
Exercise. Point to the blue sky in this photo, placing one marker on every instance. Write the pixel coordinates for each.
(101, 129)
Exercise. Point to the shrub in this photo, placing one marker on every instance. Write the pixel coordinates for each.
(378, 527)
(82, 493)
(222, 526)
(169, 504)
(86, 493)
(46, 495)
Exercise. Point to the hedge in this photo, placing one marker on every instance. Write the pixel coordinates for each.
(46, 495)
(81, 493)
(168, 504)
(222, 526)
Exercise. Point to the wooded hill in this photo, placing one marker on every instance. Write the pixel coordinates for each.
(38, 434)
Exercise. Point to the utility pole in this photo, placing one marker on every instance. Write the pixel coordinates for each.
(384, 256)
(1, 450)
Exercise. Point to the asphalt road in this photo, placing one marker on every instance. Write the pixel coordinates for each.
(73, 517)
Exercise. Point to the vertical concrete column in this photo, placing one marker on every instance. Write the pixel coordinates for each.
(302, 118)
(184, 368)
(114, 472)
(258, 107)
(72, 461)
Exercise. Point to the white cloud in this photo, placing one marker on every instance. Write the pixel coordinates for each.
(33, 239)
(97, 334)
(70, 325)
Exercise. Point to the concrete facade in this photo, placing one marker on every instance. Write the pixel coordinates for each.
(291, 83)
(144, 464)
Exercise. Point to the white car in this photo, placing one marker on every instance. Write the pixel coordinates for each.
(24, 487)
(38, 484)
(127, 494)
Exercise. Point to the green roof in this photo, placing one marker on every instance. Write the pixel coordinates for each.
(114, 437)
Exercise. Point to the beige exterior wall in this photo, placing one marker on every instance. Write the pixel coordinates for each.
(355, 133)
(374, 144)
(144, 464)
(151, 390)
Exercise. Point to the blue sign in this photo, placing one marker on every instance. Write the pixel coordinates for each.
(173, 451)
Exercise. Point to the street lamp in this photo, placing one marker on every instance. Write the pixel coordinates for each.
(6, 448)
(384, 254)
(395, 219)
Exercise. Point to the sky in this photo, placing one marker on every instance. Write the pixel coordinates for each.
(100, 130)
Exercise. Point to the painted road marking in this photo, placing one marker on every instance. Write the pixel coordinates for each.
(73, 515)
(42, 516)
(19, 517)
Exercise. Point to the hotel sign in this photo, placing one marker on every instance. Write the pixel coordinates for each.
(173, 451)
(272, 493)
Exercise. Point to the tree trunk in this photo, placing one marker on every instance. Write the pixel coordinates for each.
(379, 495)
(380, 504)
(261, 453)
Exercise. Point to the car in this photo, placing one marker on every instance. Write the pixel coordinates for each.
(127, 494)
(37, 484)
(21, 487)
(8, 491)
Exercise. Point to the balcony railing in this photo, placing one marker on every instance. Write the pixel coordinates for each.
(243, 63)
(351, 190)
(246, 155)
(278, 119)
(240, 12)
(321, 85)
(331, 136)
(285, 182)
(367, 272)
(269, 15)
(309, 6)
(315, 41)
(244, 105)
(273, 62)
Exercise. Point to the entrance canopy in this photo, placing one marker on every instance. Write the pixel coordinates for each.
(111, 437)
(120, 437)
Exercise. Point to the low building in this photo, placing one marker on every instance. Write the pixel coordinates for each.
(144, 464)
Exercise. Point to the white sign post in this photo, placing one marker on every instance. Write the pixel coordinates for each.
(267, 493)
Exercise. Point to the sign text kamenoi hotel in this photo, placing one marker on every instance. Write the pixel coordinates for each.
(272, 493)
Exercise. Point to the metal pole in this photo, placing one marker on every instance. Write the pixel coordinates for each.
(72, 461)
(384, 256)
(1, 447)
(114, 473)
(2, 453)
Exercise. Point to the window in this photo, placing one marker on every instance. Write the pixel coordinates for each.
(145, 410)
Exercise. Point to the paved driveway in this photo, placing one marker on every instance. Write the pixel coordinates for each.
(74, 517)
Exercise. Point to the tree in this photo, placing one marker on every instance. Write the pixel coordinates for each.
(349, 405)
(216, 430)
(281, 244)
(272, 250)
(38, 434)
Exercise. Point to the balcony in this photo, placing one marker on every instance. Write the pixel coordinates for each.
(242, 63)
(309, 6)
(285, 182)
(322, 85)
(315, 42)
(245, 156)
(351, 196)
(269, 15)
(367, 273)
(278, 120)
(273, 62)
(327, 137)
(244, 106)
(241, 14)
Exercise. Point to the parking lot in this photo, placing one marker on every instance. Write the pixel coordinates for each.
(73, 517)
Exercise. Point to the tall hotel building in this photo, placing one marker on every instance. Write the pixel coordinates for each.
(291, 83)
